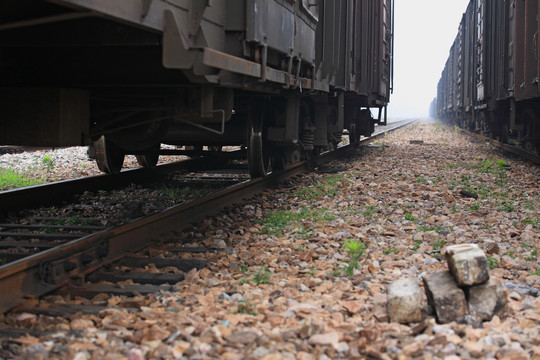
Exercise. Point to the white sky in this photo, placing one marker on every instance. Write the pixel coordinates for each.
(424, 32)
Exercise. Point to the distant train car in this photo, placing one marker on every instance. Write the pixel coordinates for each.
(284, 78)
(490, 82)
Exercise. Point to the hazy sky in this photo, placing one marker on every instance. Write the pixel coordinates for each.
(424, 32)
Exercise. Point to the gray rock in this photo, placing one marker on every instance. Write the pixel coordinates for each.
(445, 296)
(522, 289)
(486, 300)
(468, 264)
(405, 301)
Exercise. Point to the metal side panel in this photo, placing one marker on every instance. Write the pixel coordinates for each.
(270, 22)
(201, 22)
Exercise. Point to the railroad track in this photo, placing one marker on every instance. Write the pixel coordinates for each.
(98, 256)
(529, 155)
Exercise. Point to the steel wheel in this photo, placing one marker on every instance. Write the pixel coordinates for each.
(150, 159)
(109, 157)
(259, 149)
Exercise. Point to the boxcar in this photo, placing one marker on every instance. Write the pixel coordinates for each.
(284, 78)
(494, 87)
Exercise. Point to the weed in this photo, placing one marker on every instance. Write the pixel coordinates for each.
(246, 307)
(438, 244)
(492, 262)
(486, 165)
(511, 253)
(456, 129)
(426, 228)
(535, 222)
(48, 163)
(336, 271)
(369, 211)
(355, 249)
(475, 206)
(506, 207)
(390, 250)
(417, 245)
(533, 255)
(436, 127)
(421, 180)
(48, 229)
(410, 217)
(243, 268)
(262, 275)
(301, 248)
(308, 193)
(276, 222)
(537, 272)
(9, 179)
(327, 187)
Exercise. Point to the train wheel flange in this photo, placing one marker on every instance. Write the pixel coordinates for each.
(150, 159)
(109, 157)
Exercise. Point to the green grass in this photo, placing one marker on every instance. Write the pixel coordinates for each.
(410, 217)
(277, 221)
(246, 307)
(493, 263)
(390, 250)
(506, 207)
(426, 228)
(10, 179)
(328, 186)
(262, 275)
(439, 244)
(369, 211)
(535, 222)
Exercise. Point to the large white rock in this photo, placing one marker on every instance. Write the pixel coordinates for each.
(467, 263)
(405, 301)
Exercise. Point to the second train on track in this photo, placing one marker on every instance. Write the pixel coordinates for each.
(490, 83)
(283, 78)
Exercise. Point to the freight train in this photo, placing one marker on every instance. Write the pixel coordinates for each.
(490, 83)
(281, 78)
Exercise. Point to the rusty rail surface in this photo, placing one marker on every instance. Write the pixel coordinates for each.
(47, 271)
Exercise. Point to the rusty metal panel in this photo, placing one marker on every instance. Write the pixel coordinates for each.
(468, 59)
(526, 49)
(372, 48)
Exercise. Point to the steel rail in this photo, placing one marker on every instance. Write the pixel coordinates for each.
(55, 192)
(531, 156)
(47, 271)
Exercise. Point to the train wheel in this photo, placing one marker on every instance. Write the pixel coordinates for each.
(259, 149)
(149, 160)
(354, 137)
(109, 157)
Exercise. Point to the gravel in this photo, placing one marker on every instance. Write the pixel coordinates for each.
(401, 199)
(61, 164)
